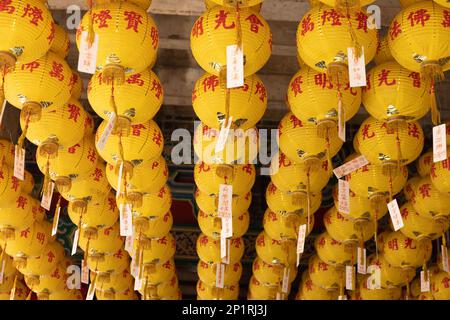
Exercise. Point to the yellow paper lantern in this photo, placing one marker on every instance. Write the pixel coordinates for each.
(407, 3)
(144, 4)
(285, 226)
(144, 142)
(334, 252)
(208, 249)
(73, 162)
(53, 282)
(440, 286)
(246, 105)
(390, 276)
(299, 140)
(311, 95)
(275, 251)
(240, 147)
(155, 250)
(129, 294)
(211, 224)
(309, 291)
(39, 84)
(207, 273)
(136, 101)
(23, 212)
(208, 178)
(153, 204)
(61, 42)
(378, 294)
(263, 291)
(116, 23)
(383, 53)
(244, 4)
(162, 289)
(118, 282)
(209, 203)
(403, 252)
(153, 227)
(429, 202)
(155, 273)
(106, 240)
(64, 294)
(116, 262)
(205, 292)
(52, 254)
(323, 37)
(440, 175)
(410, 187)
(394, 93)
(27, 26)
(282, 202)
(20, 293)
(76, 85)
(272, 274)
(324, 275)
(381, 144)
(219, 26)
(424, 163)
(29, 241)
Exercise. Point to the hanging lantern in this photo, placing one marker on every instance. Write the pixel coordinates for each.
(93, 240)
(135, 102)
(309, 291)
(108, 262)
(429, 202)
(324, 275)
(440, 175)
(391, 147)
(312, 95)
(245, 107)
(390, 276)
(299, 140)
(119, 282)
(61, 42)
(419, 227)
(410, 187)
(272, 274)
(395, 94)
(66, 294)
(383, 53)
(28, 30)
(324, 34)
(154, 227)
(20, 293)
(347, 231)
(403, 252)
(155, 250)
(220, 26)
(275, 251)
(208, 178)
(38, 85)
(144, 142)
(288, 176)
(162, 289)
(211, 225)
(407, 3)
(155, 273)
(102, 214)
(225, 3)
(76, 85)
(144, 4)
(240, 147)
(285, 226)
(209, 203)
(424, 163)
(378, 294)
(128, 294)
(208, 249)
(282, 202)
(44, 285)
(207, 273)
(23, 212)
(29, 241)
(52, 254)
(74, 162)
(440, 286)
(334, 252)
(263, 291)
(115, 24)
(205, 292)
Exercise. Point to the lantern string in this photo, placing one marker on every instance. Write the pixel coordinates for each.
(21, 139)
(308, 197)
(91, 32)
(58, 207)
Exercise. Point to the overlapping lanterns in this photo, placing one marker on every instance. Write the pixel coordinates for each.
(225, 174)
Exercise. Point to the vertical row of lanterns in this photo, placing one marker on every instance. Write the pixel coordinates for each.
(226, 141)
(38, 81)
(136, 221)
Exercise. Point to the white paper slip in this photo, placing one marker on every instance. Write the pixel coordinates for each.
(2, 271)
(56, 221)
(227, 227)
(285, 282)
(19, 163)
(356, 68)
(223, 136)
(424, 281)
(439, 143)
(108, 130)
(129, 244)
(87, 59)
(362, 260)
(225, 250)
(119, 180)
(350, 166)
(84, 272)
(137, 283)
(2, 112)
(444, 256)
(344, 196)
(75, 241)
(344, 297)
(224, 208)
(301, 239)
(220, 275)
(126, 220)
(349, 270)
(396, 217)
(91, 291)
(235, 66)
(341, 123)
(46, 201)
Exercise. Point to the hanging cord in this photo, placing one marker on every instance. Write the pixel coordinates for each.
(354, 38)
(91, 32)
(308, 197)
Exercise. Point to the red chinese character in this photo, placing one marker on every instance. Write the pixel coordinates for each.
(101, 18)
(307, 25)
(24, 233)
(296, 85)
(255, 23)
(365, 132)
(332, 16)
(323, 266)
(325, 165)
(15, 183)
(222, 20)
(119, 254)
(272, 216)
(194, 95)
(283, 161)
(155, 37)
(51, 36)
(425, 190)
(236, 242)
(30, 66)
(446, 20)
(415, 79)
(162, 192)
(166, 217)
(321, 242)
(203, 241)
(352, 91)
(296, 122)
(156, 86)
(73, 81)
(197, 30)
(50, 256)
(21, 202)
(56, 71)
(445, 282)
(136, 129)
(56, 274)
(272, 189)
(309, 285)
(409, 244)
(157, 137)
(393, 244)
(418, 17)
(74, 111)
(413, 130)
(34, 13)
(168, 264)
(135, 79)
(383, 78)
(404, 213)
(73, 149)
(321, 79)
(362, 21)
(92, 155)
(210, 83)
(6, 7)
(107, 231)
(134, 19)
(395, 30)
(260, 242)
(247, 169)
(261, 90)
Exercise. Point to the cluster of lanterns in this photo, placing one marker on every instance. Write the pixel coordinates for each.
(226, 141)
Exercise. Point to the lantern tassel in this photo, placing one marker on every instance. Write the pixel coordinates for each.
(47, 178)
(13, 290)
(354, 38)
(435, 113)
(432, 71)
(308, 197)
(57, 208)
(91, 32)
(22, 136)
